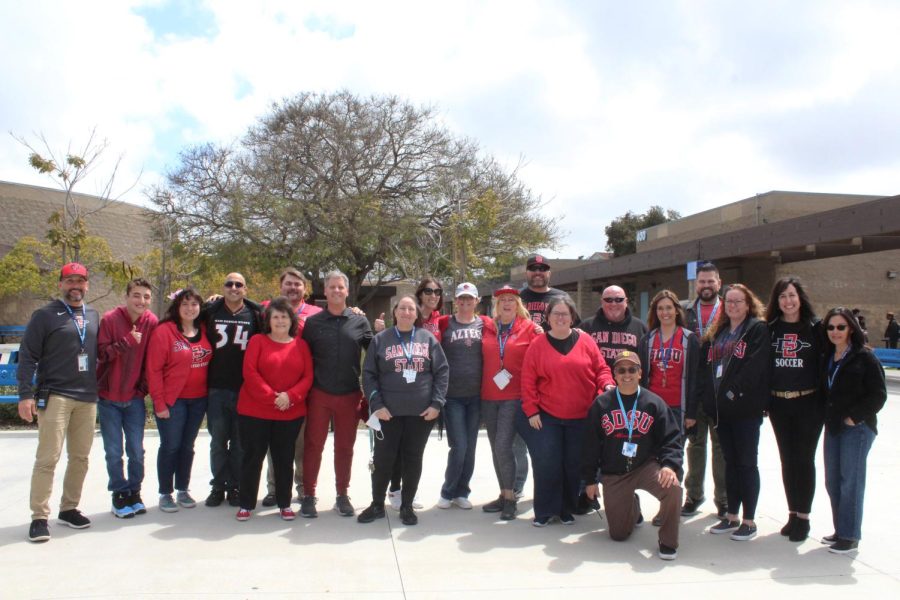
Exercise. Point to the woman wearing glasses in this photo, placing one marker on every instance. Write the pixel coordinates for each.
(796, 408)
(563, 373)
(732, 383)
(854, 393)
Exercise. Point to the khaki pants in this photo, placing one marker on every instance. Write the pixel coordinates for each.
(72, 421)
(620, 504)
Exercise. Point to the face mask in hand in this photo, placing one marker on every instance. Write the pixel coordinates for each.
(374, 423)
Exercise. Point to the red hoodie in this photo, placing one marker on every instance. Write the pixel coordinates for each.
(513, 357)
(172, 360)
(271, 367)
(120, 358)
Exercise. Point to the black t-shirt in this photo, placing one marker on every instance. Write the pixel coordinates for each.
(794, 352)
(563, 346)
(229, 340)
(536, 303)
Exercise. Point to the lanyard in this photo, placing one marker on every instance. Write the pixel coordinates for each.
(712, 315)
(834, 367)
(407, 353)
(82, 331)
(629, 420)
(301, 309)
(666, 354)
(502, 340)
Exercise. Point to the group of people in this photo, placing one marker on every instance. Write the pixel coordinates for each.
(604, 405)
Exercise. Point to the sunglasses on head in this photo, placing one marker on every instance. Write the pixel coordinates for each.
(838, 327)
(623, 370)
(541, 268)
(234, 284)
(432, 291)
(616, 300)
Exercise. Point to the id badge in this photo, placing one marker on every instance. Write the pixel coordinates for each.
(502, 378)
(629, 449)
(82, 362)
(719, 372)
(409, 375)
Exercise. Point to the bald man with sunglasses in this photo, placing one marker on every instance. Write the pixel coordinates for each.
(613, 327)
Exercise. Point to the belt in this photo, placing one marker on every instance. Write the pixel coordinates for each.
(794, 394)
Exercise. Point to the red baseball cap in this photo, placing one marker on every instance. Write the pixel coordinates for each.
(506, 290)
(73, 268)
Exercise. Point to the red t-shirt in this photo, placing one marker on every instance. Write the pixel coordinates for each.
(201, 354)
(666, 368)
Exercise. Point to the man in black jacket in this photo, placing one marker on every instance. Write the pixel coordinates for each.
(613, 328)
(635, 441)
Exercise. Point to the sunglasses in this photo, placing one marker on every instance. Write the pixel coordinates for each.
(616, 300)
(838, 327)
(432, 291)
(623, 370)
(234, 284)
(540, 268)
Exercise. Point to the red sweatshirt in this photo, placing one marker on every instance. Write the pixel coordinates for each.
(120, 358)
(564, 386)
(271, 367)
(171, 361)
(514, 355)
(431, 324)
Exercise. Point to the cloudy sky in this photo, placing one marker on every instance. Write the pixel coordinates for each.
(612, 105)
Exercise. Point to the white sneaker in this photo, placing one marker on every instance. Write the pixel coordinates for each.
(443, 502)
(463, 503)
(394, 499)
(417, 505)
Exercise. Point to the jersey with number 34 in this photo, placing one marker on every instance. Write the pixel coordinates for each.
(229, 340)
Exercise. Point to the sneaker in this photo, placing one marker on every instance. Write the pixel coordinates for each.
(721, 509)
(184, 499)
(408, 516)
(343, 507)
(394, 499)
(287, 514)
(38, 531)
(744, 532)
(74, 519)
(215, 498)
(691, 507)
(444, 503)
(308, 507)
(509, 511)
(461, 502)
(493, 506)
(567, 519)
(137, 504)
(370, 513)
(167, 503)
(120, 507)
(269, 500)
(234, 497)
(417, 504)
(830, 539)
(800, 531)
(243, 515)
(585, 505)
(724, 526)
(842, 546)
(540, 521)
(789, 526)
(667, 553)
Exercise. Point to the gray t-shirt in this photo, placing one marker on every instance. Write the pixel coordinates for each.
(462, 346)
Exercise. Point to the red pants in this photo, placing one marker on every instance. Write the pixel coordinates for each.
(321, 408)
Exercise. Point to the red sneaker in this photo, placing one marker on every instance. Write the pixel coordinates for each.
(288, 514)
(243, 515)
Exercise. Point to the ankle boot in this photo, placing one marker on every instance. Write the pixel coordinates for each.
(787, 529)
(800, 531)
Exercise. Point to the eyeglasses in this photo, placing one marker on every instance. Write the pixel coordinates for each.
(735, 302)
(616, 300)
(234, 284)
(432, 291)
(838, 327)
(561, 315)
(539, 268)
(629, 370)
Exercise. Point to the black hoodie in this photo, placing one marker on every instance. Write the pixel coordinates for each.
(612, 338)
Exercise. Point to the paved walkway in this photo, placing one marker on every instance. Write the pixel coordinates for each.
(453, 553)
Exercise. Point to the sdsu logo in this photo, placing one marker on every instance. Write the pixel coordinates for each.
(198, 353)
(788, 346)
(740, 348)
(180, 345)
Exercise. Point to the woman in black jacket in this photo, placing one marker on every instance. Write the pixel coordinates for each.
(797, 410)
(732, 383)
(854, 393)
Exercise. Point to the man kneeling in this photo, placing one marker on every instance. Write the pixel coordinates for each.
(633, 442)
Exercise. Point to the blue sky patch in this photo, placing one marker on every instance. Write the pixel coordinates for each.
(181, 19)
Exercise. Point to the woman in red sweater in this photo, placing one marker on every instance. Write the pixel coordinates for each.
(177, 362)
(505, 340)
(272, 403)
(563, 373)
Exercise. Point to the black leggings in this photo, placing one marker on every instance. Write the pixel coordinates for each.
(404, 437)
(258, 437)
(797, 423)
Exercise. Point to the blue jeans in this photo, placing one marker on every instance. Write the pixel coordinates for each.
(176, 443)
(520, 452)
(740, 447)
(224, 444)
(116, 419)
(845, 477)
(555, 451)
(462, 416)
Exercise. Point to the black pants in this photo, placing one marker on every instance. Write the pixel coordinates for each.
(258, 436)
(797, 423)
(404, 437)
(740, 447)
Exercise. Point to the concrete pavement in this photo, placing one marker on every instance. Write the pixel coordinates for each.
(204, 552)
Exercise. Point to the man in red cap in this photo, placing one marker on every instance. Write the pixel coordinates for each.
(60, 345)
